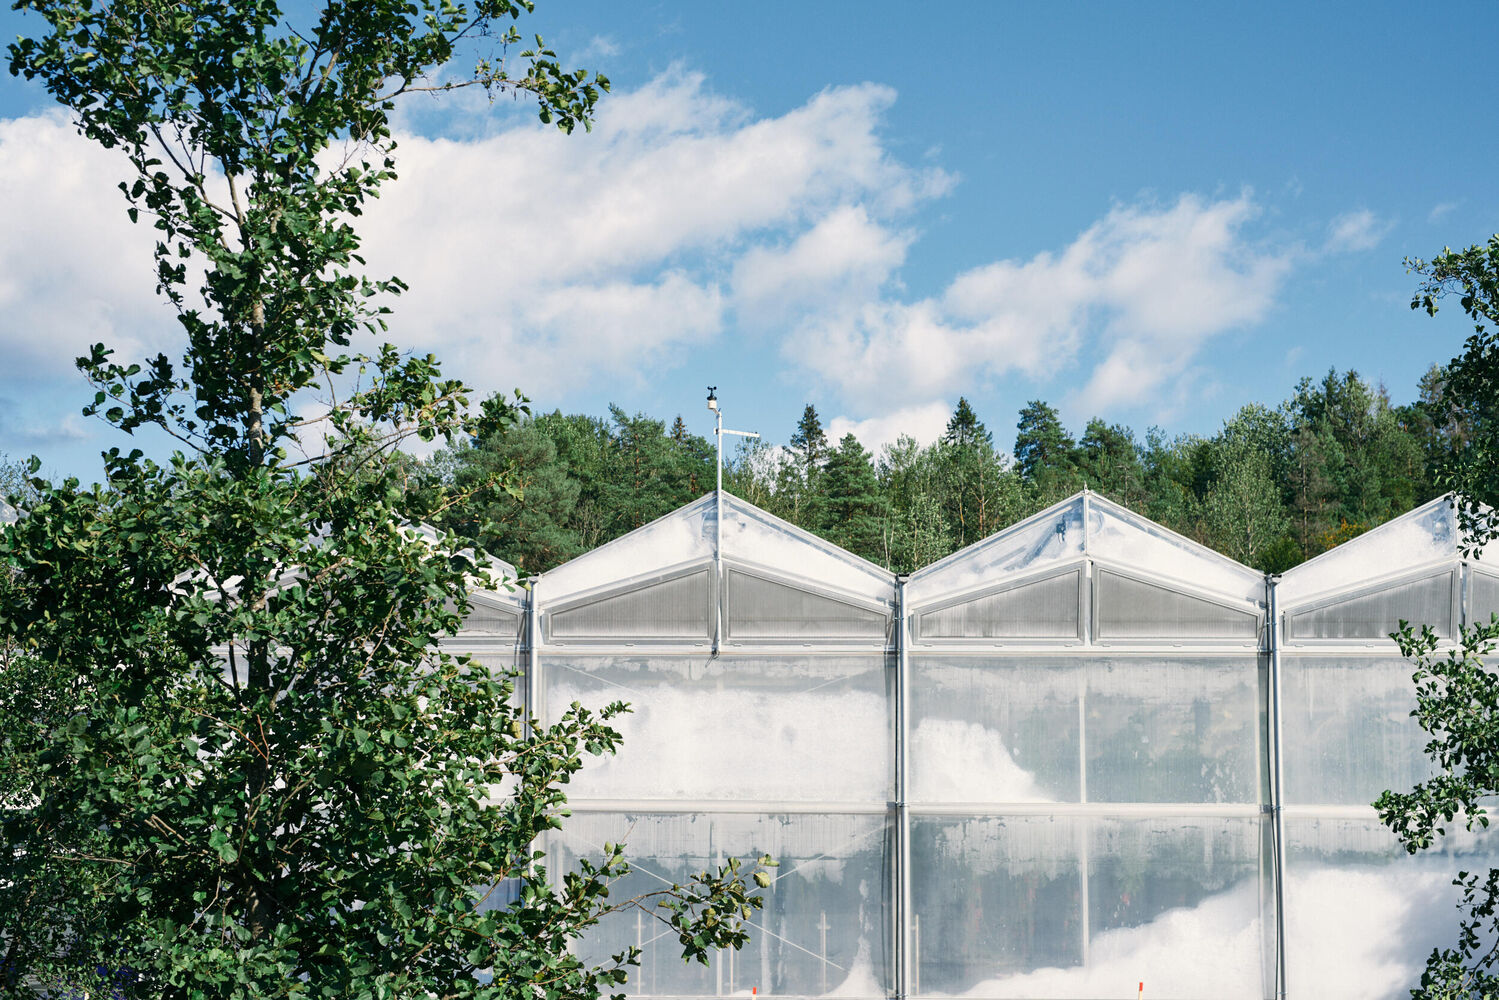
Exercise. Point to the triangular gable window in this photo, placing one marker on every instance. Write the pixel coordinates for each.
(1038, 609)
(1376, 612)
(675, 607)
(491, 620)
(1133, 609)
(758, 607)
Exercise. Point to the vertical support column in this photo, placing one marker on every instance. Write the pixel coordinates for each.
(533, 654)
(718, 532)
(905, 944)
(1277, 786)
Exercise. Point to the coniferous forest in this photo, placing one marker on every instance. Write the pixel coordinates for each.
(1274, 487)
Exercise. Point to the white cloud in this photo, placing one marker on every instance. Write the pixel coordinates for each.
(1355, 231)
(559, 262)
(73, 270)
(1441, 210)
(555, 261)
(925, 422)
(1147, 286)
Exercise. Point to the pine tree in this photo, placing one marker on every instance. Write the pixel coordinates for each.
(810, 439)
(1044, 452)
(965, 428)
(853, 509)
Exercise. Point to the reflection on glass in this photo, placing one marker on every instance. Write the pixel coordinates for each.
(824, 926)
(778, 728)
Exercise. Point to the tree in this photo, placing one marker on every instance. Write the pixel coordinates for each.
(1457, 705)
(853, 507)
(810, 439)
(915, 531)
(1109, 460)
(251, 769)
(520, 498)
(1470, 387)
(965, 428)
(1044, 451)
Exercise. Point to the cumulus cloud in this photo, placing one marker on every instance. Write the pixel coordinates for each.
(1355, 231)
(1145, 287)
(925, 422)
(562, 259)
(572, 262)
(73, 270)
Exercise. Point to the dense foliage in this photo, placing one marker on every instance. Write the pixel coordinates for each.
(1272, 488)
(1457, 691)
(1469, 385)
(237, 762)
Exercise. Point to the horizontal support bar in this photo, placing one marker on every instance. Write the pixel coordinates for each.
(762, 807)
(1229, 810)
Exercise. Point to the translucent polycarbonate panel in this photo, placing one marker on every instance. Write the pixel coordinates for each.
(1133, 609)
(1042, 609)
(679, 608)
(683, 536)
(1017, 729)
(493, 620)
(994, 899)
(1483, 597)
(824, 927)
(994, 729)
(1362, 915)
(1375, 615)
(1127, 539)
(759, 608)
(1425, 535)
(1052, 536)
(735, 727)
(691, 533)
(1347, 731)
(1173, 902)
(753, 536)
(1169, 729)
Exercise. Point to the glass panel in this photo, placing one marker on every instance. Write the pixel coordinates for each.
(994, 899)
(778, 728)
(1361, 914)
(1425, 535)
(1348, 733)
(1376, 615)
(1172, 903)
(823, 929)
(491, 620)
(1041, 609)
(683, 536)
(1127, 539)
(751, 535)
(757, 608)
(1173, 730)
(1051, 536)
(1133, 609)
(994, 729)
(673, 609)
(1483, 597)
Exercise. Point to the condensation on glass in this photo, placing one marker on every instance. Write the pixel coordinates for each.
(1042, 767)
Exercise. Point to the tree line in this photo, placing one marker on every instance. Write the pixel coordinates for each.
(1274, 487)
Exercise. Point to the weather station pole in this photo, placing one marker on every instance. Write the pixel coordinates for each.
(718, 432)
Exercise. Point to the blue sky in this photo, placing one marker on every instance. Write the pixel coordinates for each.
(1149, 213)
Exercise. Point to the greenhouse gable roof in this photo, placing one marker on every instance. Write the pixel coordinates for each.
(1085, 525)
(686, 537)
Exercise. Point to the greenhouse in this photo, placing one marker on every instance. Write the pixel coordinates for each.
(1084, 757)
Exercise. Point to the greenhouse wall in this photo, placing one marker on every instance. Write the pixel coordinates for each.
(1085, 757)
